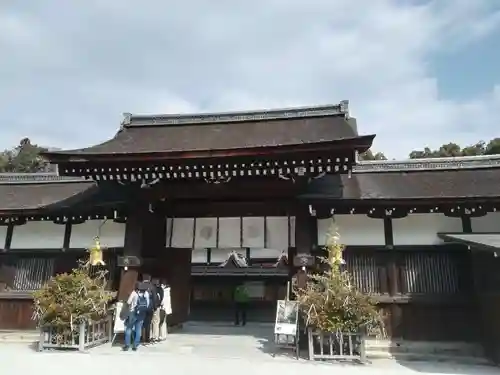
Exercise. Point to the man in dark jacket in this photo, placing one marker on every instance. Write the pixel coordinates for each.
(155, 322)
(154, 304)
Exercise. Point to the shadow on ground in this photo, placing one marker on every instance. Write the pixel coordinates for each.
(442, 358)
(435, 367)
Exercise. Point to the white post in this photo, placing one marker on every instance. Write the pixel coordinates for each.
(41, 339)
(110, 328)
(310, 343)
(81, 337)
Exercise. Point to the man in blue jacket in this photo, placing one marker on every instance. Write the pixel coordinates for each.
(139, 304)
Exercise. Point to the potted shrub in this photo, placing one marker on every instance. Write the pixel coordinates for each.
(337, 315)
(71, 309)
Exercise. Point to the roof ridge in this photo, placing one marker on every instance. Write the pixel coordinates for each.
(131, 120)
(42, 177)
(432, 164)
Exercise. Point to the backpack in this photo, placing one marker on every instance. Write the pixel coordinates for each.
(155, 297)
(161, 294)
(142, 304)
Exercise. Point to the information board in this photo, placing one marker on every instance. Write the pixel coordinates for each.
(287, 315)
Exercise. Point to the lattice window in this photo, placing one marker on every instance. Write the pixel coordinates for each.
(32, 273)
(433, 273)
(363, 270)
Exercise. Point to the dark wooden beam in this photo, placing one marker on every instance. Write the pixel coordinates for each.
(241, 188)
(8, 236)
(466, 224)
(388, 232)
(206, 208)
(67, 236)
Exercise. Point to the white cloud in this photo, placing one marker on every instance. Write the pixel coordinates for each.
(69, 70)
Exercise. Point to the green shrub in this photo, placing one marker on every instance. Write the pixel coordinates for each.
(69, 299)
(330, 301)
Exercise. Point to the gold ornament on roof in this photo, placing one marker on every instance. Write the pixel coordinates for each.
(96, 257)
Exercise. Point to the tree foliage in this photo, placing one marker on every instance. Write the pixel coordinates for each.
(24, 158)
(453, 150)
(330, 301)
(69, 299)
(369, 155)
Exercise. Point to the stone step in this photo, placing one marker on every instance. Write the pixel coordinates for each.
(466, 360)
(426, 347)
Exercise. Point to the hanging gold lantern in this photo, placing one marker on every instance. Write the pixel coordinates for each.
(96, 257)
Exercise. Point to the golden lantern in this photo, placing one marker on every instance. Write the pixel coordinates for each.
(95, 251)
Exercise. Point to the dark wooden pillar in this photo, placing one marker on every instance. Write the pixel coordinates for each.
(153, 245)
(395, 311)
(133, 247)
(145, 235)
(178, 262)
(392, 269)
(306, 239)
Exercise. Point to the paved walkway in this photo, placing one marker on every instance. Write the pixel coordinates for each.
(210, 350)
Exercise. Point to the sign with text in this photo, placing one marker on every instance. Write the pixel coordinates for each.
(287, 315)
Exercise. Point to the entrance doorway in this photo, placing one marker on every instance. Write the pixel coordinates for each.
(212, 297)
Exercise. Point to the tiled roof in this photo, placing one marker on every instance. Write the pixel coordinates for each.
(431, 164)
(163, 134)
(34, 195)
(36, 178)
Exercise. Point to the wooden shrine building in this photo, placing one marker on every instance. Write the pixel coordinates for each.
(210, 200)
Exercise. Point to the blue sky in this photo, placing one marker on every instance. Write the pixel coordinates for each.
(417, 73)
(468, 72)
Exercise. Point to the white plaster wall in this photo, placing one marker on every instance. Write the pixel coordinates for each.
(277, 233)
(268, 253)
(199, 256)
(422, 229)
(206, 233)
(111, 234)
(486, 224)
(256, 230)
(353, 230)
(182, 232)
(38, 235)
(229, 232)
(253, 232)
(3, 235)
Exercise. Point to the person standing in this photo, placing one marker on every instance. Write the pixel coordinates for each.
(155, 321)
(241, 304)
(165, 310)
(138, 303)
(153, 305)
